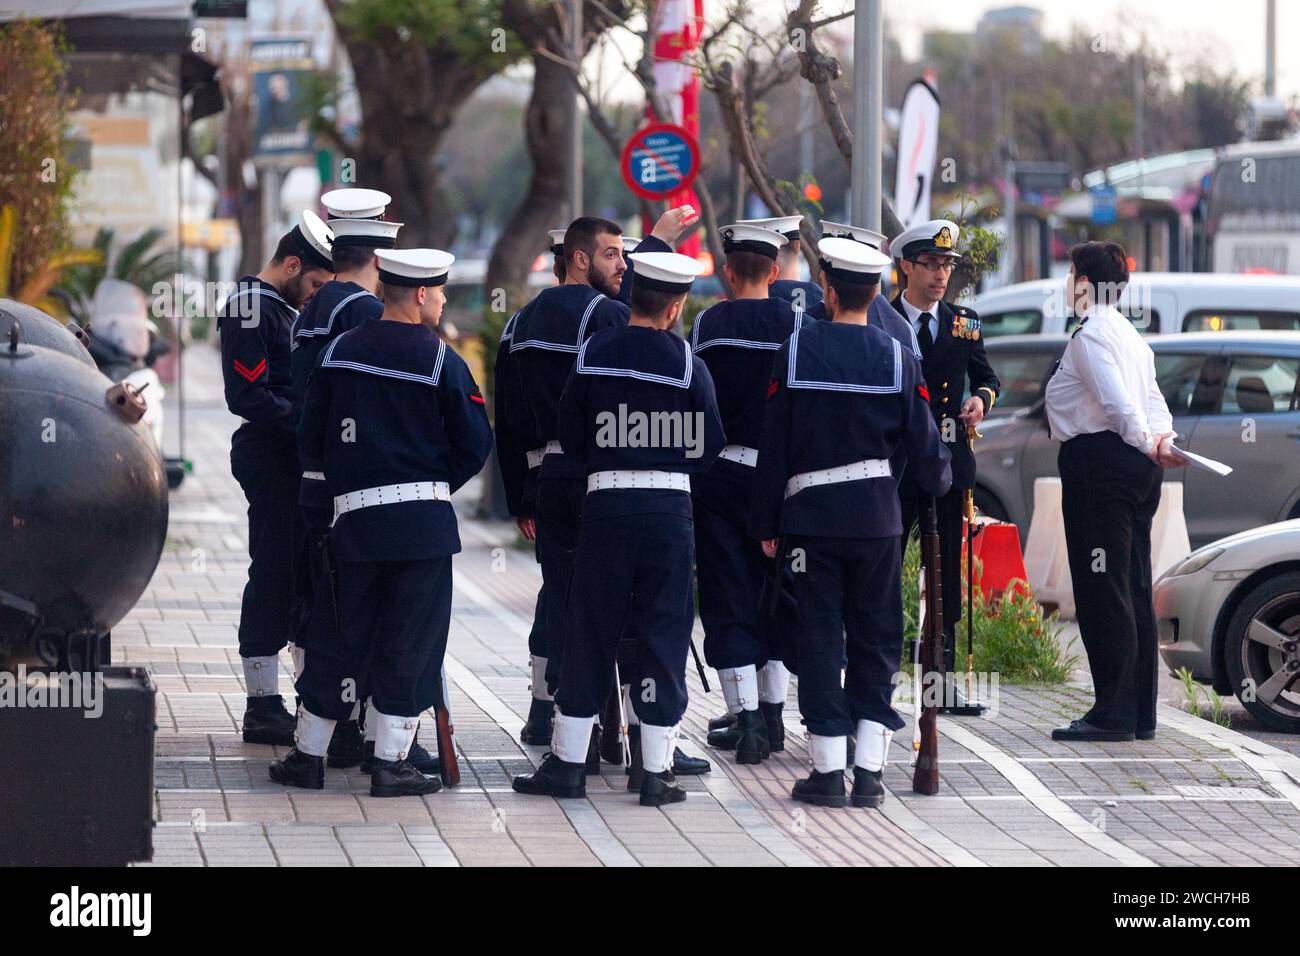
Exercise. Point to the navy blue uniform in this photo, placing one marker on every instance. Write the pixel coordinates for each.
(632, 569)
(389, 404)
(254, 325)
(806, 295)
(736, 341)
(544, 338)
(844, 395)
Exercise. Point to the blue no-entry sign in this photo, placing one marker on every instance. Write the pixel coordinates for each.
(660, 160)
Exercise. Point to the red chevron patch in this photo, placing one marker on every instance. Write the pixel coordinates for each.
(772, 386)
(251, 374)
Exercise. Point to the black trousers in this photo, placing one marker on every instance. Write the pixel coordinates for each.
(390, 640)
(559, 516)
(1109, 495)
(848, 588)
(311, 586)
(631, 578)
(269, 475)
(949, 511)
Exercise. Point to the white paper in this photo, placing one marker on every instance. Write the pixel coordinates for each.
(1209, 464)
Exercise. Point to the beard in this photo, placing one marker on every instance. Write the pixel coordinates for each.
(295, 291)
(606, 283)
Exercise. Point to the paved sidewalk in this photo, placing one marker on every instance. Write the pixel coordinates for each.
(1197, 794)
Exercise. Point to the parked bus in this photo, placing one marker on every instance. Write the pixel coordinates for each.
(1253, 219)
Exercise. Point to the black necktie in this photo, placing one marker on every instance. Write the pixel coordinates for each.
(923, 336)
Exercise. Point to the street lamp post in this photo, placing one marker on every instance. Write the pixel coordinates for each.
(868, 111)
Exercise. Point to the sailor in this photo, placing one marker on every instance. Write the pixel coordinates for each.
(638, 416)
(356, 221)
(952, 353)
(806, 295)
(397, 424)
(843, 398)
(882, 314)
(254, 325)
(736, 340)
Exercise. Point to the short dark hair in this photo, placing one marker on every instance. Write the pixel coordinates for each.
(853, 295)
(750, 266)
(581, 235)
(288, 246)
(348, 258)
(396, 293)
(1106, 266)
(651, 303)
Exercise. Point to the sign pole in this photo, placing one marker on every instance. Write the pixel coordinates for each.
(575, 146)
(868, 111)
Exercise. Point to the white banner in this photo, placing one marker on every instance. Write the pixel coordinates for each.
(918, 141)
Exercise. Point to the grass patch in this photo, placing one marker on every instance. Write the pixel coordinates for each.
(1212, 710)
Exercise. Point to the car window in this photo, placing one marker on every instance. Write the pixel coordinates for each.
(1176, 375)
(1239, 320)
(1013, 322)
(1022, 375)
(1260, 385)
(1146, 321)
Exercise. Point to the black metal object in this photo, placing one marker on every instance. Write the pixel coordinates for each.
(78, 789)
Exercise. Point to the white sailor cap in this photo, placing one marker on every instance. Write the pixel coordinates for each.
(314, 240)
(743, 237)
(377, 233)
(937, 237)
(665, 271)
(557, 241)
(630, 243)
(839, 230)
(355, 203)
(787, 226)
(414, 267)
(851, 261)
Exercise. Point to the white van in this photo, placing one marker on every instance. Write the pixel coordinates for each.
(1156, 302)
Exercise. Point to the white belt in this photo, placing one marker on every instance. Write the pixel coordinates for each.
(391, 495)
(741, 454)
(314, 475)
(535, 456)
(605, 480)
(870, 468)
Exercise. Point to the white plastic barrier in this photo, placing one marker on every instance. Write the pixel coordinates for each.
(1047, 562)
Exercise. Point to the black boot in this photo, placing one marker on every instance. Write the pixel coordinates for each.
(635, 769)
(751, 737)
(297, 769)
(266, 721)
(421, 759)
(554, 778)
(398, 778)
(684, 766)
(725, 737)
(868, 788)
(537, 730)
(723, 722)
(368, 758)
(660, 788)
(821, 789)
(775, 725)
(347, 746)
(592, 765)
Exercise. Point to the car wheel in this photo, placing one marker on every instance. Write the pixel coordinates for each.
(1262, 652)
(988, 504)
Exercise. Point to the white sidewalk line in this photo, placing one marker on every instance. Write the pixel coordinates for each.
(901, 816)
(1279, 769)
(1041, 797)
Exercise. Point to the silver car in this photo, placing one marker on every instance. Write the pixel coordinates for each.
(1233, 396)
(1230, 613)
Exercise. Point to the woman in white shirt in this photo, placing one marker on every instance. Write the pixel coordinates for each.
(1116, 433)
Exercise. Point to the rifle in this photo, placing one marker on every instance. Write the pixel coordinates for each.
(774, 582)
(448, 768)
(925, 776)
(330, 573)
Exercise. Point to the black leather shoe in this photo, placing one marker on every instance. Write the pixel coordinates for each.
(775, 725)
(660, 788)
(297, 769)
(1146, 734)
(821, 789)
(266, 721)
(347, 746)
(687, 766)
(868, 788)
(554, 778)
(635, 769)
(751, 737)
(368, 758)
(399, 778)
(593, 752)
(1082, 730)
(421, 759)
(537, 730)
(726, 737)
(723, 722)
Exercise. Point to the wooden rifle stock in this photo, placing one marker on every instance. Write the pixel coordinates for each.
(925, 776)
(448, 767)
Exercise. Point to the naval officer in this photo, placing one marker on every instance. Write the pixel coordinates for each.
(843, 398)
(397, 424)
(254, 325)
(638, 416)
